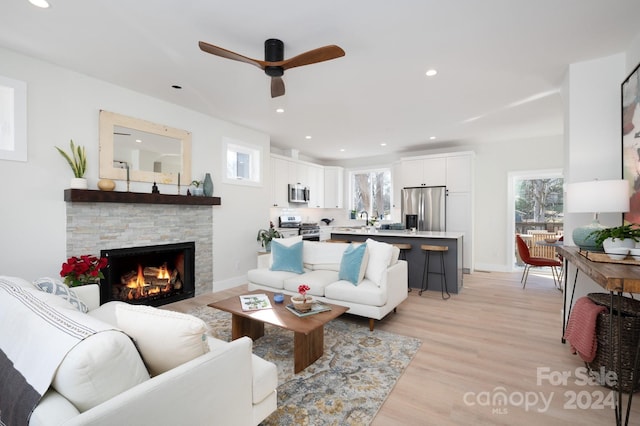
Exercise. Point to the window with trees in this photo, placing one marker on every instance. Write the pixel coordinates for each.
(371, 192)
(539, 205)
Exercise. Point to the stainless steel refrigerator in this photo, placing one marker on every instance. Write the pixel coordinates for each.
(423, 207)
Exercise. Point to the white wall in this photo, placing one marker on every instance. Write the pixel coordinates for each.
(64, 105)
(493, 164)
(593, 144)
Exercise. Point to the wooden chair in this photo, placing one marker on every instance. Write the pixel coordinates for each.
(530, 261)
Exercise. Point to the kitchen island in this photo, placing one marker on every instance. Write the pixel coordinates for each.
(416, 257)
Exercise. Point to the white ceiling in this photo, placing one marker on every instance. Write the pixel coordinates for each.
(500, 62)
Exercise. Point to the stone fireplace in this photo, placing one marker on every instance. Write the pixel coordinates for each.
(96, 223)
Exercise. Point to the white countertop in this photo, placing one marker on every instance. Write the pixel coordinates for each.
(398, 233)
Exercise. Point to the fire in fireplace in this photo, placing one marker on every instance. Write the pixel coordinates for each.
(150, 275)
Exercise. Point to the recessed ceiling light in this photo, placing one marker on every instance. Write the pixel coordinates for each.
(40, 3)
(308, 137)
(280, 110)
(176, 86)
(432, 137)
(383, 144)
(139, 140)
(342, 150)
(431, 72)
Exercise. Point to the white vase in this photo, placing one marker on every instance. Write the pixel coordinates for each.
(78, 183)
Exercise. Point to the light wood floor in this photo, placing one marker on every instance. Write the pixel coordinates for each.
(490, 338)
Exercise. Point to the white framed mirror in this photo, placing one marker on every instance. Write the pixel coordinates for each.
(150, 152)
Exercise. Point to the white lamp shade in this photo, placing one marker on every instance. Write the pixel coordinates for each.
(598, 196)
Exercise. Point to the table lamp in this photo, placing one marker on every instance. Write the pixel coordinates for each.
(598, 196)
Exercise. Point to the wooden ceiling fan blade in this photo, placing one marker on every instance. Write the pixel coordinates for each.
(277, 87)
(224, 53)
(321, 54)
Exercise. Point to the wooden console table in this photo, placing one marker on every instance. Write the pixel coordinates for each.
(615, 278)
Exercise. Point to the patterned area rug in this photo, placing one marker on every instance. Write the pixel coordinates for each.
(346, 386)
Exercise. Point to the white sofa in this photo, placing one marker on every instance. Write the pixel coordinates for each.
(383, 288)
(106, 381)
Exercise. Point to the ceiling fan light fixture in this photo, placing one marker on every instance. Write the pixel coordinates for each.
(274, 64)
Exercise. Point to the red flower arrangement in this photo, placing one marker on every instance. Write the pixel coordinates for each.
(302, 289)
(83, 270)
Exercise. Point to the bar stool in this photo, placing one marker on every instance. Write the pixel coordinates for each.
(428, 249)
(403, 255)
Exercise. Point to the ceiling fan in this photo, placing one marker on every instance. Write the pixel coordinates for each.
(274, 63)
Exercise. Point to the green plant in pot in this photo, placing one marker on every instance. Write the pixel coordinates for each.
(198, 190)
(619, 236)
(78, 162)
(266, 235)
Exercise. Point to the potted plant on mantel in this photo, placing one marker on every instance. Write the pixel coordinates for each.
(618, 236)
(78, 163)
(198, 189)
(266, 235)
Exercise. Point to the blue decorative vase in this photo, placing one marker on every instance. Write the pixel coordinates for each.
(207, 185)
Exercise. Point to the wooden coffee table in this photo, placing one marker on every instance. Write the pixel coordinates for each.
(308, 340)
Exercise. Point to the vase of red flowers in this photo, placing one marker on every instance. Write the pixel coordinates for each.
(83, 270)
(302, 302)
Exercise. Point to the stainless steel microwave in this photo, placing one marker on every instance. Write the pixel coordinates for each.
(298, 193)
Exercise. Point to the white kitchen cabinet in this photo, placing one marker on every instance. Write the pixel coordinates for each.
(298, 173)
(333, 187)
(424, 172)
(279, 182)
(316, 186)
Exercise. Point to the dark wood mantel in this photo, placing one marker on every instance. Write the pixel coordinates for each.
(94, 196)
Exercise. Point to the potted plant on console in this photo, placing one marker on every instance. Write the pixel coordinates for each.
(78, 162)
(266, 235)
(617, 239)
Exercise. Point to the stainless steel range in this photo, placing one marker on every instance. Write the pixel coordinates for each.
(309, 231)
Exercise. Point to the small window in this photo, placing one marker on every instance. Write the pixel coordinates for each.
(242, 163)
(371, 192)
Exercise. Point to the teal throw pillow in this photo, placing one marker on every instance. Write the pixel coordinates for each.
(285, 258)
(353, 264)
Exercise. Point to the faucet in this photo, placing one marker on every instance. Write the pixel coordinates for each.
(366, 223)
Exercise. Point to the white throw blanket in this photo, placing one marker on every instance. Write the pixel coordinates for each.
(34, 339)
